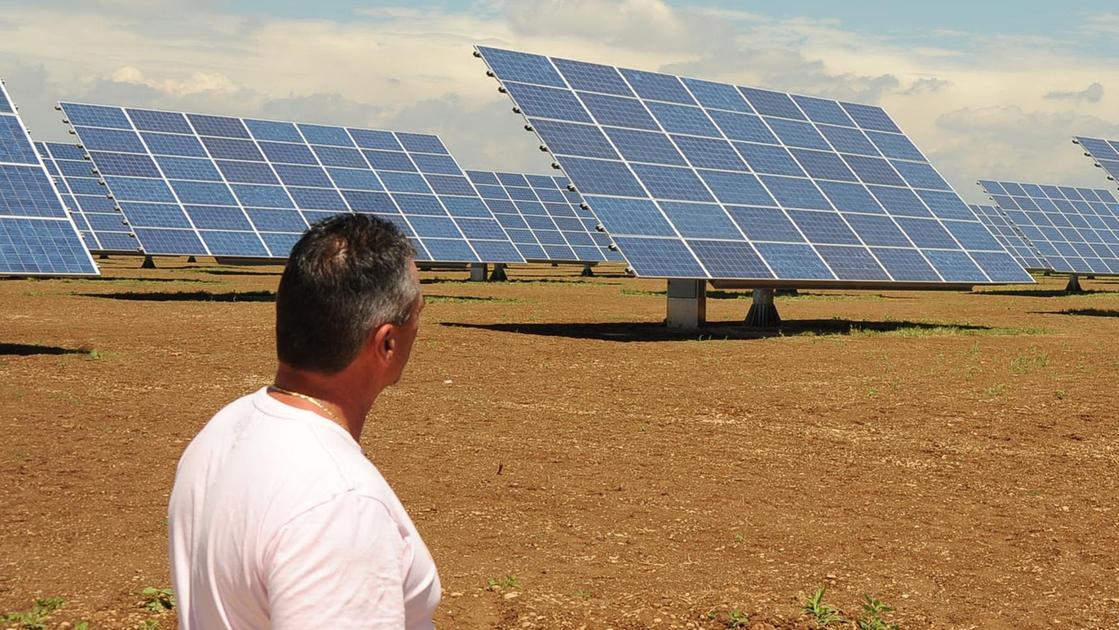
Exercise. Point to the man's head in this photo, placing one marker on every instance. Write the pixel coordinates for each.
(350, 293)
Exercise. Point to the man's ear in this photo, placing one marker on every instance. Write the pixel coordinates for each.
(382, 340)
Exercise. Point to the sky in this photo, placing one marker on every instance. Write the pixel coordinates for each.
(988, 90)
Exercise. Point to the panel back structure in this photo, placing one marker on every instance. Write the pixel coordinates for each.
(197, 184)
(101, 225)
(702, 180)
(544, 218)
(1076, 230)
(1105, 153)
(1010, 237)
(37, 235)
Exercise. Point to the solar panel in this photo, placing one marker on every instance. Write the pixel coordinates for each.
(195, 184)
(1076, 230)
(1010, 237)
(1104, 152)
(694, 179)
(101, 225)
(37, 236)
(544, 218)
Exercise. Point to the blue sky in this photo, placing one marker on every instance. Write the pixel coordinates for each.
(987, 89)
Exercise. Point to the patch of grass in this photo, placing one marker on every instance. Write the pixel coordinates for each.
(158, 599)
(582, 594)
(935, 330)
(506, 582)
(871, 619)
(36, 618)
(821, 613)
(465, 299)
(1033, 359)
(149, 624)
(643, 293)
(995, 391)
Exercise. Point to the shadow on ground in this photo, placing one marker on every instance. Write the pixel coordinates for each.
(188, 296)
(1086, 312)
(26, 350)
(721, 331)
(1041, 293)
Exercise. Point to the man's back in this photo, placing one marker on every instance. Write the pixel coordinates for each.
(278, 520)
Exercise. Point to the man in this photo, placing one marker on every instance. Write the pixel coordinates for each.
(277, 519)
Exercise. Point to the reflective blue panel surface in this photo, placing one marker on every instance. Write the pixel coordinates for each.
(1053, 227)
(38, 236)
(724, 177)
(218, 185)
(539, 216)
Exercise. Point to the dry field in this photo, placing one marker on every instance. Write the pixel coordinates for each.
(571, 464)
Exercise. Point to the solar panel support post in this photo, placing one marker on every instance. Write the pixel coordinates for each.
(478, 272)
(191, 259)
(498, 273)
(103, 257)
(687, 303)
(763, 312)
(1074, 284)
(148, 263)
(588, 271)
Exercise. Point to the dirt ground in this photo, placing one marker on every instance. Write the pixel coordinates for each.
(571, 464)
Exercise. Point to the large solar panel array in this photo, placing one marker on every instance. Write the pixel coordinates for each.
(1076, 230)
(1104, 152)
(37, 236)
(101, 225)
(695, 179)
(232, 187)
(1010, 237)
(544, 218)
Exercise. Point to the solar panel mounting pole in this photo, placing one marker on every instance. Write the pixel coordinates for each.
(687, 303)
(498, 273)
(588, 271)
(1074, 284)
(478, 272)
(148, 263)
(763, 312)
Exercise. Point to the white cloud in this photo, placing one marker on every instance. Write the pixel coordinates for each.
(1091, 94)
(976, 109)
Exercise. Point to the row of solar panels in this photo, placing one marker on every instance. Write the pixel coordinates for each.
(686, 178)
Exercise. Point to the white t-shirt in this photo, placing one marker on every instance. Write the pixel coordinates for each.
(277, 520)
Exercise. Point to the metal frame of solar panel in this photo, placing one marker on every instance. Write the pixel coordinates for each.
(1105, 154)
(198, 184)
(101, 224)
(37, 235)
(701, 180)
(1076, 230)
(543, 218)
(1011, 237)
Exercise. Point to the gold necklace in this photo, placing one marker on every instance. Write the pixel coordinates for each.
(314, 401)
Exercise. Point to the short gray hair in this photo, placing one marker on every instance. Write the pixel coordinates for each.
(348, 275)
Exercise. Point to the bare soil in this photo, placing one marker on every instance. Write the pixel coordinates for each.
(952, 454)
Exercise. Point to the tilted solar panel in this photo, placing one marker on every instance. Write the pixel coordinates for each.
(1010, 237)
(37, 236)
(1104, 152)
(543, 218)
(232, 187)
(694, 179)
(1076, 230)
(101, 225)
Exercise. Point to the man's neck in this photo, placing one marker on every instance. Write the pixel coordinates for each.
(347, 403)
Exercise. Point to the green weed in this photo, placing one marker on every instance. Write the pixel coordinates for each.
(871, 619)
(733, 618)
(158, 599)
(1033, 359)
(36, 618)
(507, 582)
(821, 613)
